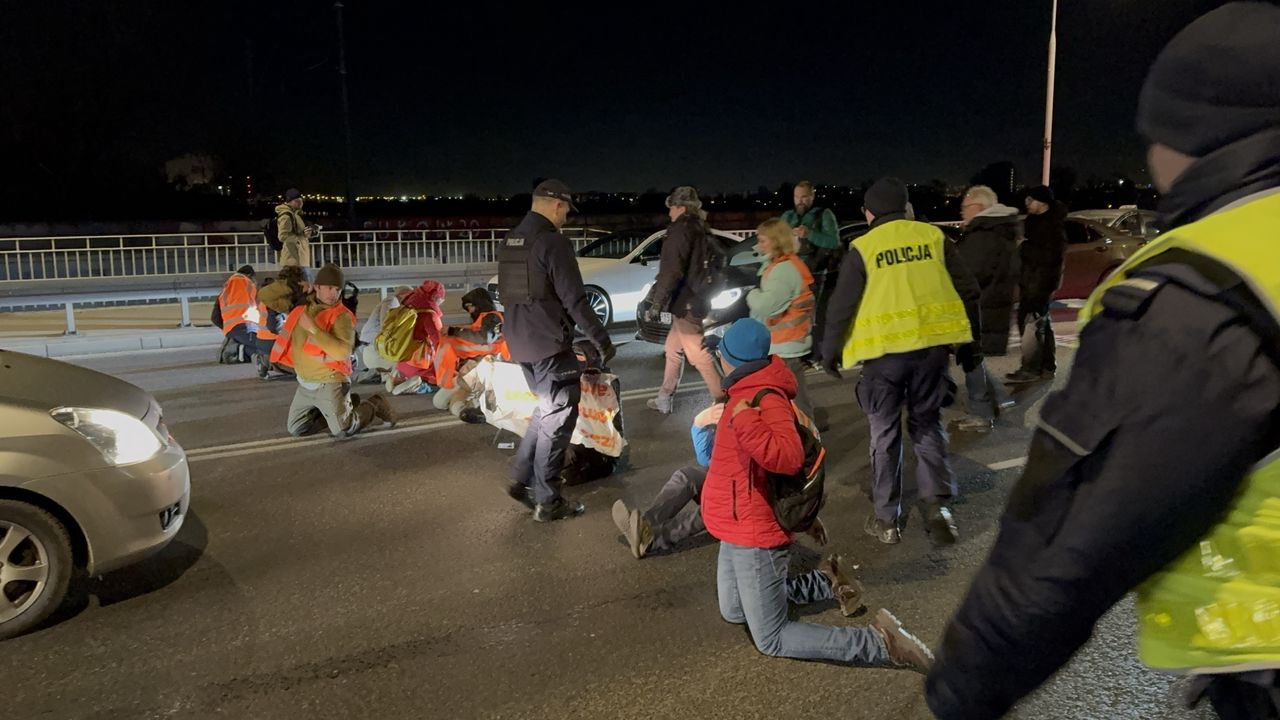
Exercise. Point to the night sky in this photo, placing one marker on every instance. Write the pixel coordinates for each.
(479, 97)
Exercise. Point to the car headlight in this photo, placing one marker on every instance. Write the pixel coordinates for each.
(121, 438)
(726, 298)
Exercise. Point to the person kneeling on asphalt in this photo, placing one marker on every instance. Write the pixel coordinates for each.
(754, 549)
(317, 340)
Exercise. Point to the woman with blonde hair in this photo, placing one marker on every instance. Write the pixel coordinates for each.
(784, 302)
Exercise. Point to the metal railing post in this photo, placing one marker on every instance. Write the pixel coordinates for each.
(186, 311)
(71, 319)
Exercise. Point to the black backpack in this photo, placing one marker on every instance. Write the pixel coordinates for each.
(706, 266)
(271, 231)
(796, 499)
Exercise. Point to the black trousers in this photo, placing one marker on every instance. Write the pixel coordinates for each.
(540, 457)
(675, 515)
(917, 381)
(824, 264)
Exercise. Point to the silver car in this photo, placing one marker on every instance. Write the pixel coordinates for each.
(89, 479)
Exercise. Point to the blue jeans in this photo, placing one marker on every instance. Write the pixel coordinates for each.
(754, 589)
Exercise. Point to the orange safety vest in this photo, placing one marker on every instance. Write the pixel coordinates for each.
(454, 350)
(264, 324)
(237, 296)
(796, 322)
(283, 351)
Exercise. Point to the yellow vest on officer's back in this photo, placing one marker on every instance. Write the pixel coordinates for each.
(909, 302)
(1217, 608)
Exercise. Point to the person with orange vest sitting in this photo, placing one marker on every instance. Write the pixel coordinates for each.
(241, 317)
(462, 344)
(317, 340)
(784, 302)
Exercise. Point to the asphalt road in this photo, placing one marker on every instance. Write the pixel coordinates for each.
(389, 576)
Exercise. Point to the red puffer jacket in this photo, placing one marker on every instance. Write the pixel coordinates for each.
(750, 441)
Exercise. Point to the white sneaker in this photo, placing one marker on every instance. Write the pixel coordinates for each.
(661, 403)
(407, 386)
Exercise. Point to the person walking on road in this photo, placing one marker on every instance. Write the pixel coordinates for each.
(991, 232)
(295, 236)
(818, 235)
(683, 289)
(543, 297)
(784, 302)
(317, 341)
(1041, 255)
(904, 297)
(753, 439)
(1155, 467)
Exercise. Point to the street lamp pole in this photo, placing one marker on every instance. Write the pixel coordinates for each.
(346, 108)
(1048, 102)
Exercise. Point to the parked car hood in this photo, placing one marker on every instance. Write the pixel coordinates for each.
(45, 384)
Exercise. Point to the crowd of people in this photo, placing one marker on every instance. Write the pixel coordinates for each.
(1121, 490)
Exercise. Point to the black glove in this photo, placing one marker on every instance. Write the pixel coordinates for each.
(829, 367)
(968, 356)
(607, 351)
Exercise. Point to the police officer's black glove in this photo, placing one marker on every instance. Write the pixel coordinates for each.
(607, 351)
(829, 367)
(968, 356)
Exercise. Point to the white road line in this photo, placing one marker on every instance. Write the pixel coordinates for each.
(1007, 464)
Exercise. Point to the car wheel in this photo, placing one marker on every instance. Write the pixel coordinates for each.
(599, 301)
(35, 566)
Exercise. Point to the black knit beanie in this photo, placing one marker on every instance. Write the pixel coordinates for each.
(886, 196)
(1042, 193)
(1216, 82)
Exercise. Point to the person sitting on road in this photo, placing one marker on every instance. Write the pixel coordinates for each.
(373, 366)
(238, 308)
(317, 340)
(784, 302)
(461, 347)
(417, 374)
(753, 588)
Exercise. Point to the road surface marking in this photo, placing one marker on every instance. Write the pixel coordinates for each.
(1007, 464)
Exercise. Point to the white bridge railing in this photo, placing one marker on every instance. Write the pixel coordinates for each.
(110, 256)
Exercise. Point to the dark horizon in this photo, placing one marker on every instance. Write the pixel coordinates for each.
(448, 101)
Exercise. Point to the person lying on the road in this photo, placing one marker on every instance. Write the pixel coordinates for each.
(757, 435)
(317, 340)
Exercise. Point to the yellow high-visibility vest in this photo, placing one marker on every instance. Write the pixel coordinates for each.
(1216, 609)
(909, 302)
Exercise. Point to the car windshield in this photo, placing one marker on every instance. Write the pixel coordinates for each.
(616, 246)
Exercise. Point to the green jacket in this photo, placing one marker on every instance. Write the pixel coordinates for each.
(297, 247)
(824, 232)
(773, 297)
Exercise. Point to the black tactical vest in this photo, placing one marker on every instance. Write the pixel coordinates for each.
(518, 282)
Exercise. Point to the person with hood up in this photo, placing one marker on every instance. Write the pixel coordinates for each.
(682, 288)
(753, 439)
(417, 374)
(991, 232)
(1042, 255)
(1155, 468)
(461, 347)
(295, 236)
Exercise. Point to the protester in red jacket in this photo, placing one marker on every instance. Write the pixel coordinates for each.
(754, 550)
(426, 338)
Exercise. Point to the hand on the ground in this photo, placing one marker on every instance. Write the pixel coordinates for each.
(709, 416)
(829, 367)
(306, 322)
(818, 531)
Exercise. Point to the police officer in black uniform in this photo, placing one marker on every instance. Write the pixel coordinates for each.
(1173, 398)
(542, 294)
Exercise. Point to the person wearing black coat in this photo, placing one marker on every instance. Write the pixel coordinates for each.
(991, 232)
(677, 291)
(1041, 257)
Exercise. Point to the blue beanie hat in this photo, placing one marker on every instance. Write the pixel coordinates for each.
(745, 340)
